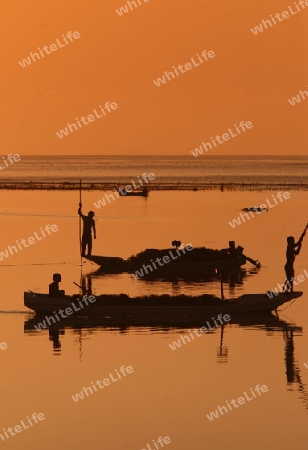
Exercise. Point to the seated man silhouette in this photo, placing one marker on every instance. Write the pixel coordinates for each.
(54, 290)
(232, 251)
(237, 252)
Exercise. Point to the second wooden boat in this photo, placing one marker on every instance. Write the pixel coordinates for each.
(162, 307)
(179, 267)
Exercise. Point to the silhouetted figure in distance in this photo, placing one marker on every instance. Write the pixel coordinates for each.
(88, 224)
(54, 290)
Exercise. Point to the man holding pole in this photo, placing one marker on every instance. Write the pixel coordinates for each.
(88, 224)
(293, 249)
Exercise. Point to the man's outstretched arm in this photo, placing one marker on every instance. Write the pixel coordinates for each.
(298, 249)
(79, 211)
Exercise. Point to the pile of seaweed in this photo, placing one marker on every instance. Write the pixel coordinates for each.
(196, 255)
(162, 300)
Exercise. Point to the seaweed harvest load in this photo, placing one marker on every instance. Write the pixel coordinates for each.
(176, 262)
(195, 255)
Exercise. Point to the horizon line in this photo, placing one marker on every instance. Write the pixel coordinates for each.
(188, 156)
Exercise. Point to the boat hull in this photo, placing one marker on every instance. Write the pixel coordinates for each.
(134, 194)
(119, 265)
(156, 308)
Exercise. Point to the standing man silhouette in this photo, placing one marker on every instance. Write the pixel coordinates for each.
(293, 249)
(88, 224)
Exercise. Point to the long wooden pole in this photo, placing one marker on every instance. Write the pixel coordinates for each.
(221, 287)
(80, 247)
(303, 234)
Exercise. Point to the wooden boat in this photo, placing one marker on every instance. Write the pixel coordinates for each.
(138, 193)
(111, 264)
(255, 209)
(156, 308)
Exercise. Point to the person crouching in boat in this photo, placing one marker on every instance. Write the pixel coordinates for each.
(88, 224)
(232, 250)
(54, 290)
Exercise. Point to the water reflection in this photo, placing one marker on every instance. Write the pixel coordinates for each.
(86, 285)
(293, 373)
(222, 350)
(270, 323)
(54, 337)
(233, 278)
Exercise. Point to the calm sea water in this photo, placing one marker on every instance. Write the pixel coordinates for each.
(167, 169)
(170, 393)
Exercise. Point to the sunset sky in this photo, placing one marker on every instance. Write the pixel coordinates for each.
(117, 58)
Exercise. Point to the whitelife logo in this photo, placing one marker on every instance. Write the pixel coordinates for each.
(221, 139)
(53, 47)
(31, 240)
(101, 384)
(11, 158)
(160, 261)
(184, 68)
(18, 429)
(241, 401)
(125, 10)
(243, 216)
(280, 287)
(295, 100)
(129, 188)
(203, 330)
(72, 126)
(284, 15)
(69, 310)
(160, 441)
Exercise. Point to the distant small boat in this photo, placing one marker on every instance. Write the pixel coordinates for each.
(159, 307)
(143, 193)
(255, 209)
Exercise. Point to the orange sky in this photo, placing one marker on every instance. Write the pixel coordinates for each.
(117, 58)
